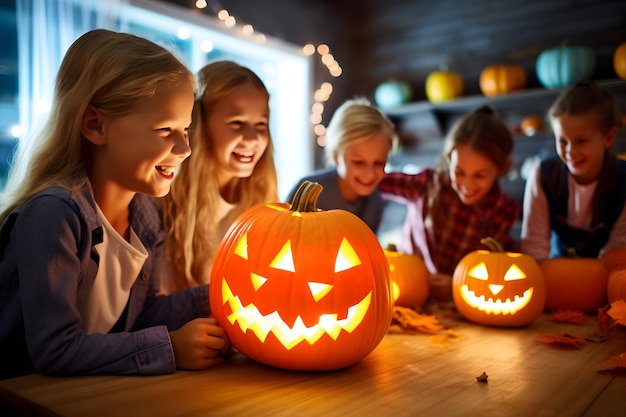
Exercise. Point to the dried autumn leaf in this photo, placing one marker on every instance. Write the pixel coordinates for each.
(411, 320)
(596, 338)
(617, 311)
(568, 316)
(482, 378)
(605, 322)
(564, 340)
(614, 364)
(442, 340)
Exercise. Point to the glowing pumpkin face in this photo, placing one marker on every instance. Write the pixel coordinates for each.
(304, 290)
(498, 288)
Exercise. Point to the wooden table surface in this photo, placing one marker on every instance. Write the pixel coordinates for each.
(406, 375)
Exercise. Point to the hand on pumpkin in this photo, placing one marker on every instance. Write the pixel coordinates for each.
(199, 344)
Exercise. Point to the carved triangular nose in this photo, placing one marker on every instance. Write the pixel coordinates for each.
(495, 288)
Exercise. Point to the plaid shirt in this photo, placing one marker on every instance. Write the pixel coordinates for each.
(443, 245)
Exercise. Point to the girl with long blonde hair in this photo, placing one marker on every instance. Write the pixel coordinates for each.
(231, 169)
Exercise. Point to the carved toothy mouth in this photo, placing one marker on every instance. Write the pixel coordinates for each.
(490, 306)
(249, 317)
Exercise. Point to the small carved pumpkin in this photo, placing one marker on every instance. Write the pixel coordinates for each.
(498, 288)
(616, 288)
(409, 278)
(443, 86)
(501, 79)
(300, 288)
(575, 283)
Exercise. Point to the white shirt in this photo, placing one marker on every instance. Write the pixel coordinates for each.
(120, 264)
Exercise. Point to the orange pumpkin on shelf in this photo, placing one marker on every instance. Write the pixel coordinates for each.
(300, 288)
(616, 287)
(575, 283)
(531, 124)
(409, 278)
(501, 79)
(498, 288)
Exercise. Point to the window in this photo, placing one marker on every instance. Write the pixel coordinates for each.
(284, 68)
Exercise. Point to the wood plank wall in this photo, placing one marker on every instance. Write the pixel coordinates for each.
(408, 39)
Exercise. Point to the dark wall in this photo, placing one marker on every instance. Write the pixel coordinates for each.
(409, 39)
(375, 40)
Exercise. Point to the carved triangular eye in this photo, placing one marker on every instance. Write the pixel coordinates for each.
(257, 280)
(514, 273)
(242, 247)
(319, 289)
(479, 272)
(284, 259)
(346, 257)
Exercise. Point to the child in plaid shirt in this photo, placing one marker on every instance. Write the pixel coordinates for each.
(452, 207)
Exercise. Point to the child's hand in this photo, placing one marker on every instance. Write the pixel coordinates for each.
(199, 344)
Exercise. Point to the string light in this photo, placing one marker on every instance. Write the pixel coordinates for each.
(320, 96)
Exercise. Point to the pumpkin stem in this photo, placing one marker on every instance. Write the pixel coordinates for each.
(571, 253)
(391, 247)
(305, 198)
(492, 244)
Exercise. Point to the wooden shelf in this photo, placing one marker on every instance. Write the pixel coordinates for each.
(524, 100)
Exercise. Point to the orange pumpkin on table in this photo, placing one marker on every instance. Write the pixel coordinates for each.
(575, 283)
(409, 278)
(300, 288)
(614, 259)
(498, 288)
(616, 286)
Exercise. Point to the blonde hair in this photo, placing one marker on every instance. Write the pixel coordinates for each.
(586, 97)
(189, 210)
(108, 70)
(354, 121)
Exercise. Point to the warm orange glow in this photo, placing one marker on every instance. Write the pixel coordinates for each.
(495, 306)
(249, 317)
(395, 291)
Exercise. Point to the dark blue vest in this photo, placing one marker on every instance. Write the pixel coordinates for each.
(608, 202)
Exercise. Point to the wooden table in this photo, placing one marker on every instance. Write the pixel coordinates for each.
(406, 375)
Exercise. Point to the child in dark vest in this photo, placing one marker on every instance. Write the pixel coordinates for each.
(575, 202)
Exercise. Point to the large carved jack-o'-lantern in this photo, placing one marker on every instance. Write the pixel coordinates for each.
(498, 288)
(300, 288)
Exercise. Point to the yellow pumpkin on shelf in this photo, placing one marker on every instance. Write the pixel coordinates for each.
(443, 86)
(619, 60)
(501, 79)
